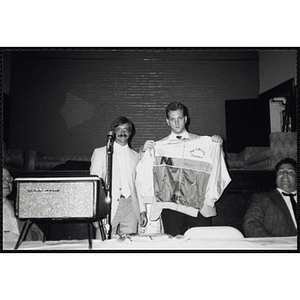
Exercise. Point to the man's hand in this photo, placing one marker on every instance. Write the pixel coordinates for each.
(143, 219)
(217, 139)
(149, 145)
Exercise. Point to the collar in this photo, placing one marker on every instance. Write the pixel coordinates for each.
(184, 135)
(282, 191)
(118, 148)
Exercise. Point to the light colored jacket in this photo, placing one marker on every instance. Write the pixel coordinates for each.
(186, 175)
(99, 168)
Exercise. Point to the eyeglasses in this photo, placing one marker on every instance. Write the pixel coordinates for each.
(8, 179)
(119, 129)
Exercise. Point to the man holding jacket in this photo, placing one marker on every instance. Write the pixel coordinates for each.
(187, 172)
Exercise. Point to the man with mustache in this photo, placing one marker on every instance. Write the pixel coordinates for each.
(273, 214)
(126, 212)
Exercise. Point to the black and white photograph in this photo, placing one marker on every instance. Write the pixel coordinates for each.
(149, 149)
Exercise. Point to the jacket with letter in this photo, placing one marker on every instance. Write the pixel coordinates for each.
(187, 175)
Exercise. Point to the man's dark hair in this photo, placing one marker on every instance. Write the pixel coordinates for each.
(286, 161)
(120, 121)
(176, 106)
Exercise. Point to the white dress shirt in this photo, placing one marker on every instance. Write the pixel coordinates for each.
(10, 224)
(289, 204)
(125, 166)
(173, 136)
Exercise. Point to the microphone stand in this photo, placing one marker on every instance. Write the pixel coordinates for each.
(109, 152)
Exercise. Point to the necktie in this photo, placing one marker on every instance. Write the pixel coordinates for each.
(294, 205)
(179, 136)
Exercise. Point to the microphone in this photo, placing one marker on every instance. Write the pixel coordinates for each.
(110, 134)
(110, 139)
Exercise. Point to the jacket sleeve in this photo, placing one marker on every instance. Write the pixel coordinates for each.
(219, 178)
(98, 166)
(144, 178)
(254, 218)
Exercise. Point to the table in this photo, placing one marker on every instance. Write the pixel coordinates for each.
(161, 242)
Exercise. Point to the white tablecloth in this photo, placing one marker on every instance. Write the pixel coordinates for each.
(162, 242)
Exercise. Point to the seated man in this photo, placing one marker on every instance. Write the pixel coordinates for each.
(273, 214)
(10, 224)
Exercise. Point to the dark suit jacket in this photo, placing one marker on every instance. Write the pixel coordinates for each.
(268, 215)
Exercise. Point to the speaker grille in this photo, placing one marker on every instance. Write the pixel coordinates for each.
(56, 199)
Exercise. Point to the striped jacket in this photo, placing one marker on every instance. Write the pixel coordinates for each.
(187, 175)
